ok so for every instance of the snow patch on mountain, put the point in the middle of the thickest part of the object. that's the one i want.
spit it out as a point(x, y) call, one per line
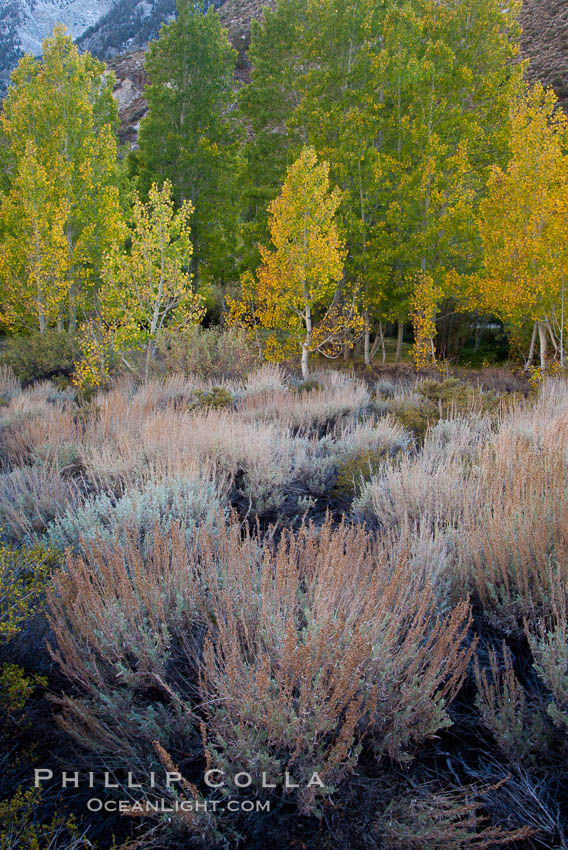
point(38, 17)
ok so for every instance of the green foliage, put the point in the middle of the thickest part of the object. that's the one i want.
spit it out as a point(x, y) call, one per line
point(40, 356)
point(23, 578)
point(435, 400)
point(267, 104)
point(454, 397)
point(17, 688)
point(144, 288)
point(296, 293)
point(505, 709)
point(21, 827)
point(357, 469)
point(385, 104)
point(61, 212)
point(24, 575)
point(187, 136)
point(415, 415)
point(308, 386)
point(214, 398)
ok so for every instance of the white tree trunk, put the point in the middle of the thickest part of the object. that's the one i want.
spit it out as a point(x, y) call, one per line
point(305, 362)
point(533, 345)
point(306, 344)
point(543, 339)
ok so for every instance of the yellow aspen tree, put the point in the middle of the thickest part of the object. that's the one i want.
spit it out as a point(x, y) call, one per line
point(297, 285)
point(34, 241)
point(143, 288)
point(423, 304)
point(523, 222)
point(57, 128)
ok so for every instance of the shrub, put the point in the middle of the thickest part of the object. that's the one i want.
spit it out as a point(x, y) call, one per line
point(449, 820)
point(415, 415)
point(453, 397)
point(214, 398)
point(38, 416)
point(9, 384)
point(435, 400)
point(17, 688)
point(267, 378)
point(23, 577)
point(458, 438)
point(504, 708)
point(308, 386)
point(282, 662)
point(364, 449)
point(386, 388)
point(207, 352)
point(513, 544)
point(38, 356)
point(426, 490)
point(358, 469)
point(30, 499)
point(21, 828)
point(115, 611)
point(321, 408)
point(288, 684)
point(158, 504)
point(66, 457)
point(260, 460)
point(291, 684)
point(548, 641)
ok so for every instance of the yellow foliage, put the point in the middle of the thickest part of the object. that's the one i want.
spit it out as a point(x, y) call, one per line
point(524, 219)
point(144, 289)
point(296, 292)
point(62, 209)
point(423, 315)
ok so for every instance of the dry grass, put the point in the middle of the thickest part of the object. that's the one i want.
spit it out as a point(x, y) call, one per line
point(516, 521)
point(9, 384)
point(449, 820)
point(298, 662)
point(290, 645)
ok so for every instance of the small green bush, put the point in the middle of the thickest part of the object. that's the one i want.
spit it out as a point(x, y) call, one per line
point(453, 397)
point(414, 416)
point(442, 400)
point(215, 398)
point(23, 577)
point(22, 829)
point(358, 469)
point(309, 386)
point(40, 356)
point(66, 458)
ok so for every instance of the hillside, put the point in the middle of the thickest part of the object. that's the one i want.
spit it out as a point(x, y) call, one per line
point(119, 30)
point(544, 43)
point(25, 23)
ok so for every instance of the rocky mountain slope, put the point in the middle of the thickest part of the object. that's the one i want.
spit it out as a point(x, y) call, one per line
point(25, 23)
point(119, 30)
point(129, 24)
point(544, 43)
